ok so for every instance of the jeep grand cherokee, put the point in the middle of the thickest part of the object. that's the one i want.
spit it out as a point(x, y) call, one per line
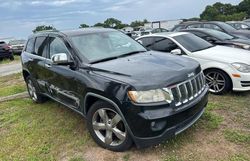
point(126, 93)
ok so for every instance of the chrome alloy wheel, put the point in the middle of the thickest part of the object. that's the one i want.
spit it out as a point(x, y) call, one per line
point(109, 127)
point(215, 81)
point(32, 90)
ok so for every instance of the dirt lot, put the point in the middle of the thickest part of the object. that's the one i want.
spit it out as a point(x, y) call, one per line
point(52, 132)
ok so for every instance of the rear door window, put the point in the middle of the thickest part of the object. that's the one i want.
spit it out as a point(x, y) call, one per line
point(194, 26)
point(147, 42)
point(164, 44)
point(30, 45)
point(41, 46)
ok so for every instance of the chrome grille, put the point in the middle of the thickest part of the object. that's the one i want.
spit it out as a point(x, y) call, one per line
point(188, 90)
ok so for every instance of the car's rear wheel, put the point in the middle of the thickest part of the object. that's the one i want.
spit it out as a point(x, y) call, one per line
point(33, 92)
point(218, 81)
point(107, 127)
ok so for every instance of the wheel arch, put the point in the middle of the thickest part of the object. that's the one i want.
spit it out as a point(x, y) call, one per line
point(93, 97)
point(25, 74)
point(222, 70)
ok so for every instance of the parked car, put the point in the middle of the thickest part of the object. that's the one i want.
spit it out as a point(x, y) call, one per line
point(225, 68)
point(5, 51)
point(17, 46)
point(153, 31)
point(239, 25)
point(127, 94)
point(215, 25)
point(220, 38)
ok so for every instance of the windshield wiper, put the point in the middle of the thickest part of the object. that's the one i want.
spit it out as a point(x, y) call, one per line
point(131, 53)
point(116, 57)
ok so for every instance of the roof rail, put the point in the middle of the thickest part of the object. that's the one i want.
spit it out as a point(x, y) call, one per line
point(53, 30)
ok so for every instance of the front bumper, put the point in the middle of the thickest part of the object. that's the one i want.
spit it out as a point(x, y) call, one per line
point(151, 128)
point(242, 83)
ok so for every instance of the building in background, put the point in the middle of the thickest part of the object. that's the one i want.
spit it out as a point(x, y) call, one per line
point(166, 24)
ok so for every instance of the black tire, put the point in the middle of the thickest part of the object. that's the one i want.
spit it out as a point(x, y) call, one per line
point(33, 91)
point(124, 144)
point(222, 76)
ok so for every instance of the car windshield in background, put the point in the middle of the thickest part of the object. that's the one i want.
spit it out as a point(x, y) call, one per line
point(104, 45)
point(192, 43)
point(227, 27)
point(220, 35)
point(17, 42)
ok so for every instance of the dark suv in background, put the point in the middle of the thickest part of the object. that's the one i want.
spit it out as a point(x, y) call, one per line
point(126, 93)
point(215, 25)
point(5, 51)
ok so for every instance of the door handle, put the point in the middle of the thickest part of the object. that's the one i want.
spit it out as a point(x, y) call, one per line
point(48, 65)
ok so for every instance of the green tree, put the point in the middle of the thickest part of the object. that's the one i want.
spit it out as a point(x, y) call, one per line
point(138, 23)
point(112, 23)
point(99, 25)
point(223, 12)
point(244, 6)
point(42, 28)
point(83, 26)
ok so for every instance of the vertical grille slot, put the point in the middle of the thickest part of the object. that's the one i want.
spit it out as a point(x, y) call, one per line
point(186, 91)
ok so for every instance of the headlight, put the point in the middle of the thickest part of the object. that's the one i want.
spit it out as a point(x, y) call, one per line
point(151, 96)
point(244, 68)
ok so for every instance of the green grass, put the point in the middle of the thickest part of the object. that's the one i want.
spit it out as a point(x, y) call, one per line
point(237, 136)
point(10, 90)
point(31, 131)
point(7, 61)
point(49, 131)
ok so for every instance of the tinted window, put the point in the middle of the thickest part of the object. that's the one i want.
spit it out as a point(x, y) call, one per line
point(40, 46)
point(212, 26)
point(57, 46)
point(178, 28)
point(194, 26)
point(30, 45)
point(199, 34)
point(192, 43)
point(164, 44)
point(147, 42)
point(220, 35)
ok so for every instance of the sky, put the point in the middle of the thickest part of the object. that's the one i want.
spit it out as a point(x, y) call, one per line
point(19, 17)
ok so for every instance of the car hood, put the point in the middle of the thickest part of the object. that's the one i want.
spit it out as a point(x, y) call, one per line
point(149, 70)
point(235, 41)
point(224, 54)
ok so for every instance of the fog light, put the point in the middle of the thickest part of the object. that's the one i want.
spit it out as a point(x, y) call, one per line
point(157, 126)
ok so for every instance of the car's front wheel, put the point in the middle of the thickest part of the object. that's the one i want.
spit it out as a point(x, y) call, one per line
point(33, 92)
point(218, 81)
point(107, 127)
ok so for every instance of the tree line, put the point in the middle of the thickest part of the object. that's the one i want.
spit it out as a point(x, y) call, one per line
point(216, 12)
point(226, 12)
point(108, 23)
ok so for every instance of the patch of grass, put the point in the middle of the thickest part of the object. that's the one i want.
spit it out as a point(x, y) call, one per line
point(7, 60)
point(126, 157)
point(10, 90)
point(238, 157)
point(209, 121)
point(237, 137)
point(76, 159)
point(172, 158)
point(47, 131)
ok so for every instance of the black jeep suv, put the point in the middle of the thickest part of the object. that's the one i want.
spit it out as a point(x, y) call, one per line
point(126, 93)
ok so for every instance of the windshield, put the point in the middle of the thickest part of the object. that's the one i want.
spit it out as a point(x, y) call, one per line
point(227, 27)
point(17, 42)
point(220, 35)
point(105, 45)
point(192, 43)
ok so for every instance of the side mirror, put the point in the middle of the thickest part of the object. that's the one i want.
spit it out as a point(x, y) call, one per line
point(176, 52)
point(139, 41)
point(61, 59)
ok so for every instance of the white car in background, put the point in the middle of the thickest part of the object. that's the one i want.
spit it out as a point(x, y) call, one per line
point(225, 68)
